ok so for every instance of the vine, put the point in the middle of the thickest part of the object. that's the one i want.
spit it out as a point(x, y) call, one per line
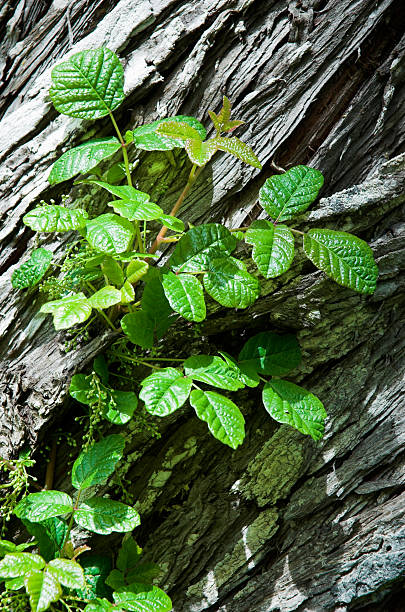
point(112, 273)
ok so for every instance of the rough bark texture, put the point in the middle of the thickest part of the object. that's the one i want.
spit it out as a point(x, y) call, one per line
point(282, 524)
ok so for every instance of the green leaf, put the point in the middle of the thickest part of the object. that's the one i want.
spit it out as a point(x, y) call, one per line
point(38, 507)
point(94, 466)
point(14, 584)
point(110, 233)
point(238, 149)
point(103, 515)
point(135, 270)
point(43, 588)
point(96, 569)
point(50, 535)
point(348, 260)
point(88, 85)
point(105, 297)
point(286, 195)
point(99, 605)
point(165, 391)
point(228, 282)
point(225, 420)
point(288, 403)
point(247, 375)
point(113, 271)
point(155, 304)
point(143, 598)
point(200, 152)
point(213, 371)
point(133, 204)
point(129, 554)
point(270, 353)
point(144, 573)
point(68, 311)
point(127, 293)
point(146, 137)
point(115, 580)
point(172, 223)
point(67, 572)
point(177, 130)
point(16, 564)
point(7, 547)
point(116, 173)
point(100, 367)
point(139, 328)
point(31, 272)
point(185, 295)
point(83, 158)
point(120, 407)
point(81, 389)
point(54, 218)
point(199, 245)
point(273, 247)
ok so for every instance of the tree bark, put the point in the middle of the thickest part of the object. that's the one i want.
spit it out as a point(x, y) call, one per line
point(283, 523)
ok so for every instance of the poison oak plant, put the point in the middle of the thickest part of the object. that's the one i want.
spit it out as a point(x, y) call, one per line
point(111, 271)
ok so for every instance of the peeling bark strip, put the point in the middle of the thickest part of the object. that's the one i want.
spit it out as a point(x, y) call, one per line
point(282, 524)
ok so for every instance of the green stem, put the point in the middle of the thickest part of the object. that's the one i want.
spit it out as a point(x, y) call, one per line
point(240, 229)
point(70, 525)
point(135, 360)
point(161, 359)
point(297, 231)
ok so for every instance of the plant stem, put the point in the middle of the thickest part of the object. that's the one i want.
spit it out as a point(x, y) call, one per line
point(161, 359)
point(136, 361)
point(70, 525)
point(240, 229)
point(50, 468)
point(191, 179)
point(297, 232)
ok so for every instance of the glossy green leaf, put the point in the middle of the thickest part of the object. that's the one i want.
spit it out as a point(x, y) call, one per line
point(286, 195)
point(14, 584)
point(31, 272)
point(224, 419)
point(247, 375)
point(165, 391)
point(273, 247)
point(136, 269)
point(99, 605)
point(105, 297)
point(146, 137)
point(214, 371)
point(113, 271)
point(100, 367)
point(96, 569)
point(155, 304)
point(37, 507)
point(67, 572)
point(238, 149)
point(88, 85)
point(121, 406)
point(185, 295)
point(110, 233)
point(7, 547)
point(43, 588)
point(199, 246)
point(133, 204)
point(348, 260)
point(143, 598)
point(228, 282)
point(83, 158)
point(116, 173)
point(177, 130)
point(103, 515)
point(68, 311)
point(81, 389)
point(94, 465)
point(222, 121)
point(289, 403)
point(50, 535)
point(200, 152)
point(139, 328)
point(127, 293)
point(172, 223)
point(16, 564)
point(270, 353)
point(55, 218)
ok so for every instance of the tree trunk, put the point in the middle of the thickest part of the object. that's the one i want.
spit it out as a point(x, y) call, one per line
point(283, 523)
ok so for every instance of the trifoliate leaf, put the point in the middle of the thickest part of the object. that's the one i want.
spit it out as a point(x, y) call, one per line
point(228, 282)
point(43, 588)
point(136, 269)
point(31, 272)
point(37, 507)
point(200, 152)
point(67, 572)
point(214, 371)
point(225, 420)
point(185, 295)
point(105, 297)
point(199, 245)
point(344, 257)
point(286, 195)
point(55, 218)
point(165, 391)
point(239, 149)
point(289, 403)
point(120, 407)
point(177, 130)
point(88, 85)
point(139, 328)
point(273, 247)
point(83, 158)
point(68, 311)
point(143, 598)
point(94, 465)
point(270, 353)
point(16, 564)
point(110, 233)
point(146, 137)
point(103, 515)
